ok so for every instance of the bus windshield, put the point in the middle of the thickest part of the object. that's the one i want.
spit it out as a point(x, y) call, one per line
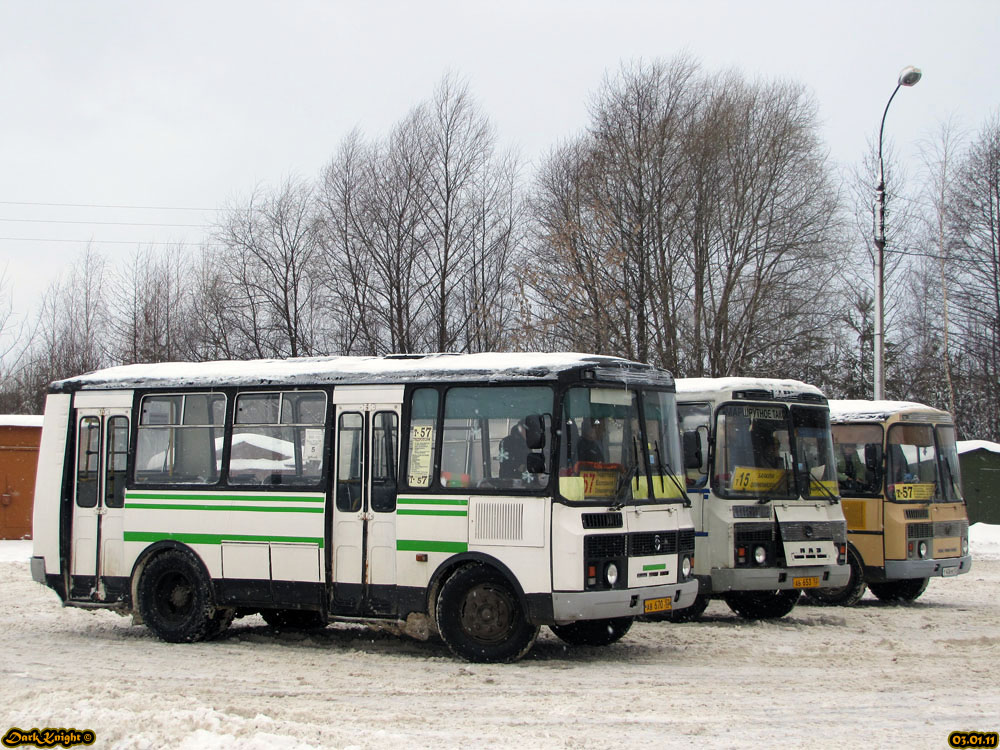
point(912, 464)
point(767, 452)
point(951, 478)
point(608, 453)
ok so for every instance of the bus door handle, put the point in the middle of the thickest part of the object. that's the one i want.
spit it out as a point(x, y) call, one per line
point(366, 515)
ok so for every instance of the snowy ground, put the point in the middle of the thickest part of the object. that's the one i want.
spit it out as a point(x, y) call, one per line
point(867, 676)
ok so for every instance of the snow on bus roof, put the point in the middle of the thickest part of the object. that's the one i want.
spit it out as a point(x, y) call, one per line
point(860, 410)
point(20, 420)
point(352, 370)
point(777, 386)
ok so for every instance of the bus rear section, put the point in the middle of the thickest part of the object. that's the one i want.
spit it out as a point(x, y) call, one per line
point(760, 475)
point(438, 493)
point(899, 475)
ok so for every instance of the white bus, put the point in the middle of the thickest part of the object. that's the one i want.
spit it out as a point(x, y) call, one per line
point(480, 496)
point(762, 480)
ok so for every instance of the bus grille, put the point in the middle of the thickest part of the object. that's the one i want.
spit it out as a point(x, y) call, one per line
point(919, 530)
point(916, 514)
point(685, 541)
point(643, 543)
point(814, 531)
point(751, 511)
point(748, 533)
point(602, 521)
point(604, 546)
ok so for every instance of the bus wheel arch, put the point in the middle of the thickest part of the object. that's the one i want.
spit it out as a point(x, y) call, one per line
point(173, 595)
point(480, 612)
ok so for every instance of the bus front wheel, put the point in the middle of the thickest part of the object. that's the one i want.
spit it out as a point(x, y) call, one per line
point(848, 594)
point(480, 617)
point(175, 600)
point(593, 632)
point(899, 591)
point(763, 605)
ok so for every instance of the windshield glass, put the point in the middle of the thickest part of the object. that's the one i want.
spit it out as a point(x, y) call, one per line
point(950, 472)
point(662, 446)
point(816, 468)
point(912, 465)
point(858, 448)
point(753, 452)
point(600, 447)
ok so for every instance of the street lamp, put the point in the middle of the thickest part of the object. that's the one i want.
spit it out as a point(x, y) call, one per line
point(908, 76)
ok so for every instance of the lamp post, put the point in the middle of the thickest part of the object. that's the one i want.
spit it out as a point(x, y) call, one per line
point(908, 76)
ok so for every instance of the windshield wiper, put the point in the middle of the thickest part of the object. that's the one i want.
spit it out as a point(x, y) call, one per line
point(625, 480)
point(832, 499)
point(670, 473)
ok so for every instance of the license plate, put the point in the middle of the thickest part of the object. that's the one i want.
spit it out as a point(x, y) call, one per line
point(810, 582)
point(952, 571)
point(662, 604)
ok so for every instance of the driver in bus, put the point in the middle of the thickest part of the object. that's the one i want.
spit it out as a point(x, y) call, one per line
point(589, 447)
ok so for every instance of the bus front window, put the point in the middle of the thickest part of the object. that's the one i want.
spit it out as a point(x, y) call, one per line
point(950, 472)
point(600, 447)
point(754, 457)
point(815, 465)
point(913, 464)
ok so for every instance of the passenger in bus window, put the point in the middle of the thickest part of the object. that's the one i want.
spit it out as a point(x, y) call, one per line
point(589, 446)
point(514, 452)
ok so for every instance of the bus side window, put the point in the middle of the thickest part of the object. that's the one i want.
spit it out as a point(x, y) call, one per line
point(384, 450)
point(88, 461)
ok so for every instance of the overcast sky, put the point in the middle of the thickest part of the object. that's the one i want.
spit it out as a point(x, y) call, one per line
point(192, 104)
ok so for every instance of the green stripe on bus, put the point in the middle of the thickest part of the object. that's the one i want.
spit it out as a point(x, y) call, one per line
point(429, 501)
point(404, 512)
point(255, 509)
point(661, 566)
point(159, 536)
point(220, 496)
point(416, 545)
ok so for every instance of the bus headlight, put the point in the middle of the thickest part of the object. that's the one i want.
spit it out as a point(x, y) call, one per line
point(965, 546)
point(685, 566)
point(611, 574)
point(922, 549)
point(759, 555)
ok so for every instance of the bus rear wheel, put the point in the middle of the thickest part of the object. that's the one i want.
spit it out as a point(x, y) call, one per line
point(480, 617)
point(593, 632)
point(899, 591)
point(762, 605)
point(175, 600)
point(846, 595)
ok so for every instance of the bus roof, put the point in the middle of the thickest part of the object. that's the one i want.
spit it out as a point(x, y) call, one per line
point(361, 370)
point(724, 388)
point(842, 411)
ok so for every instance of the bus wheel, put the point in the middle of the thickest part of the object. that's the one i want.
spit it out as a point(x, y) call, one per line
point(846, 595)
point(293, 619)
point(175, 600)
point(899, 591)
point(480, 617)
point(593, 632)
point(762, 605)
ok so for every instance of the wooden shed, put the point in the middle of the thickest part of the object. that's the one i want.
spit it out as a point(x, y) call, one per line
point(19, 439)
point(980, 462)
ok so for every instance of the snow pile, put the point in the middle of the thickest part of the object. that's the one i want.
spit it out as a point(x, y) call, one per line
point(964, 446)
point(15, 550)
point(984, 541)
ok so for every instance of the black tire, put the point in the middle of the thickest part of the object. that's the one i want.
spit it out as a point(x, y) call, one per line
point(846, 595)
point(480, 617)
point(899, 591)
point(593, 632)
point(175, 600)
point(763, 605)
point(293, 619)
point(688, 614)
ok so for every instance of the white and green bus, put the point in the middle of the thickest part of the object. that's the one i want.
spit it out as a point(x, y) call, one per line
point(762, 479)
point(480, 496)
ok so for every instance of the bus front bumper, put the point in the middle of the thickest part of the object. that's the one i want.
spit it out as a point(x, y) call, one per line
point(570, 606)
point(771, 579)
point(948, 566)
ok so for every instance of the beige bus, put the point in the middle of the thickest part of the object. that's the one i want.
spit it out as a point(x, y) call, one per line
point(901, 490)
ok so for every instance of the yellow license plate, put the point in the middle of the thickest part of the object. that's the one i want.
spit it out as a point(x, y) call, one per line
point(810, 582)
point(662, 604)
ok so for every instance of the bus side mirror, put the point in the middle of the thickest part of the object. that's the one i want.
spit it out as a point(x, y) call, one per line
point(535, 463)
point(693, 458)
point(534, 433)
point(873, 460)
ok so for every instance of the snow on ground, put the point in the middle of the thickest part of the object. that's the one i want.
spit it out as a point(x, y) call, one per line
point(873, 675)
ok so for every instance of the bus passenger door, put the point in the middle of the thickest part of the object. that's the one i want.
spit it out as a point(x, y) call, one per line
point(97, 549)
point(364, 509)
